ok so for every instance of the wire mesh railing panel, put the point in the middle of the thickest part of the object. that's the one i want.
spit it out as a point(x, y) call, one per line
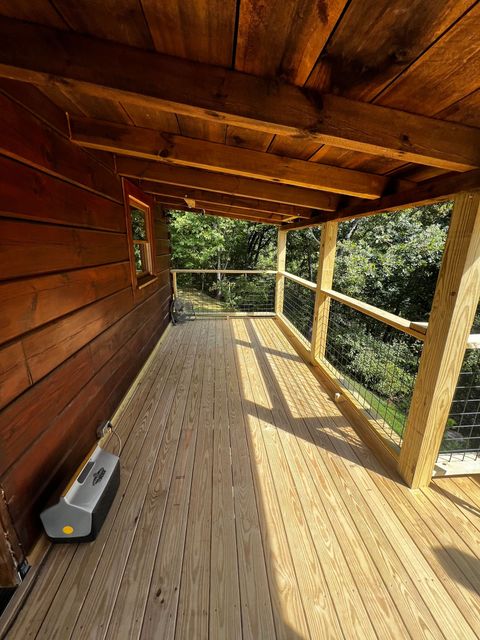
point(223, 294)
point(376, 363)
point(298, 307)
point(461, 440)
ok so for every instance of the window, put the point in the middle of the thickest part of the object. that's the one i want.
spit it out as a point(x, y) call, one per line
point(141, 235)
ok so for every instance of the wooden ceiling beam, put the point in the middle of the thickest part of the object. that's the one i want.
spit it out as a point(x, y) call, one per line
point(434, 190)
point(222, 214)
point(224, 209)
point(45, 56)
point(175, 149)
point(191, 178)
point(209, 197)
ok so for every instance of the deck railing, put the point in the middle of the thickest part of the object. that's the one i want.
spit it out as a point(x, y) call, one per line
point(226, 292)
point(375, 366)
point(461, 442)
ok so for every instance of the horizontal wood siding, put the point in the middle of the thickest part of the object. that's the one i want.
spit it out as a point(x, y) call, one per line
point(72, 333)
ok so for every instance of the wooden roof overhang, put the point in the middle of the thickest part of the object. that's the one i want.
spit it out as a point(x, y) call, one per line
point(294, 117)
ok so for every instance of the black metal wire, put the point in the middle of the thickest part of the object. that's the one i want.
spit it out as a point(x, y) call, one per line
point(462, 431)
point(298, 307)
point(376, 363)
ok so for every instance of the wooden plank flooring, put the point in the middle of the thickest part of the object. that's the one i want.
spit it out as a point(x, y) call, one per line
point(249, 508)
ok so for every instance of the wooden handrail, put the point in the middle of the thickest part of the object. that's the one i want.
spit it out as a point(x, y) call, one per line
point(238, 271)
point(473, 341)
point(298, 280)
point(414, 329)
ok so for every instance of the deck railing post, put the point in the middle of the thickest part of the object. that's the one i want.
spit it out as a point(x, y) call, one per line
point(174, 284)
point(279, 278)
point(453, 311)
point(326, 265)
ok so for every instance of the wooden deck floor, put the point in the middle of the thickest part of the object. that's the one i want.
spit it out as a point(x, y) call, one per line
point(249, 508)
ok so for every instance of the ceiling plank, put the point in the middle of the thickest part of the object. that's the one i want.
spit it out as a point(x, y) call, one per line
point(209, 197)
point(175, 149)
point(435, 190)
point(220, 183)
point(46, 56)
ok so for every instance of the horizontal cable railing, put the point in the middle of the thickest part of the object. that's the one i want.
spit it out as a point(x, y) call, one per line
point(461, 441)
point(221, 292)
point(375, 362)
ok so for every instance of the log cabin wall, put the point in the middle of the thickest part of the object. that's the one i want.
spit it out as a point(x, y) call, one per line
point(72, 333)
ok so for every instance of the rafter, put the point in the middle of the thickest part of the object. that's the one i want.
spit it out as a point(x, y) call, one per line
point(188, 177)
point(170, 202)
point(46, 56)
point(221, 199)
point(167, 147)
point(433, 190)
point(223, 214)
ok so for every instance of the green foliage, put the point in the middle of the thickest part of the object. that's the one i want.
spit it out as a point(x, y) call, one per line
point(212, 242)
point(392, 260)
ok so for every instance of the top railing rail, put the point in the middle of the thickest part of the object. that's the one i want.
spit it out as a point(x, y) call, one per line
point(234, 271)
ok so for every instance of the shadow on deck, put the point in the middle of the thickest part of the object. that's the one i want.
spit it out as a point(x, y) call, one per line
point(249, 507)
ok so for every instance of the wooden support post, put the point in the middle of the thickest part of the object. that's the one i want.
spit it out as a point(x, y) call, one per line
point(326, 265)
point(453, 311)
point(280, 279)
point(174, 284)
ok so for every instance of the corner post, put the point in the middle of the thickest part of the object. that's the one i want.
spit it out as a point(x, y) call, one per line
point(174, 284)
point(326, 265)
point(453, 311)
point(279, 278)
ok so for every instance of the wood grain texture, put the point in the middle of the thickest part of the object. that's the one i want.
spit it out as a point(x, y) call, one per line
point(153, 145)
point(453, 310)
point(222, 183)
point(433, 190)
point(231, 98)
point(27, 249)
point(32, 302)
point(31, 195)
point(213, 23)
point(46, 149)
point(296, 30)
point(321, 311)
point(72, 336)
point(209, 197)
point(361, 524)
point(95, 18)
point(279, 277)
point(365, 55)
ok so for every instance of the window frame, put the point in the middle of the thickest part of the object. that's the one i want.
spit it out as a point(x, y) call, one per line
point(135, 197)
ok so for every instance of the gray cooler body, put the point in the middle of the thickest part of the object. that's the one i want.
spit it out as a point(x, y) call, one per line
point(81, 510)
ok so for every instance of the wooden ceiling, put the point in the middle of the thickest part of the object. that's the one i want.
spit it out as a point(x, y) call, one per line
point(269, 150)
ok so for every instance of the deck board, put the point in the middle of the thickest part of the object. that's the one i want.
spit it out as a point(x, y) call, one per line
point(249, 507)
